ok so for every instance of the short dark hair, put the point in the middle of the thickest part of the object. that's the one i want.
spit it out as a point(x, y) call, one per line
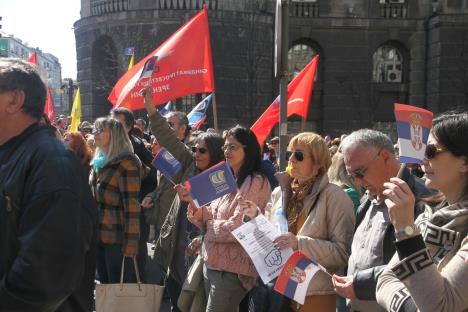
point(128, 115)
point(214, 143)
point(253, 159)
point(16, 74)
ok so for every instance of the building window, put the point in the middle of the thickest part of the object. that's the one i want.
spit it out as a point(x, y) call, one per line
point(298, 57)
point(387, 65)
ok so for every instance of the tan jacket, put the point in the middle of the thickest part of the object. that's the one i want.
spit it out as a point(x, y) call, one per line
point(327, 232)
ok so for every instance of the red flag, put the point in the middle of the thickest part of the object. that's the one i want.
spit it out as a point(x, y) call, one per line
point(33, 58)
point(182, 65)
point(299, 91)
point(49, 109)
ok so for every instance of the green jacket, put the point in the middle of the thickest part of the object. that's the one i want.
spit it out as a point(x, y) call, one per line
point(165, 212)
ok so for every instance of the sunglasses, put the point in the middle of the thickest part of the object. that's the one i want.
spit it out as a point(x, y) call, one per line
point(432, 150)
point(201, 150)
point(298, 155)
point(361, 173)
point(232, 147)
point(97, 131)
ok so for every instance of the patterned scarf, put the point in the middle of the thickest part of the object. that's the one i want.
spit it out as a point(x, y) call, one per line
point(296, 202)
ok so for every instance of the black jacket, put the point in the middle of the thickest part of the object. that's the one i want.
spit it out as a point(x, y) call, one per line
point(48, 226)
point(365, 281)
point(150, 181)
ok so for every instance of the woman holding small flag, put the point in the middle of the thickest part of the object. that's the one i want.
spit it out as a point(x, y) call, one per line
point(228, 271)
point(175, 231)
point(320, 216)
point(429, 270)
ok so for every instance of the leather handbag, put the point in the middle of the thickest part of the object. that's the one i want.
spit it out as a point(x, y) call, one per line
point(124, 297)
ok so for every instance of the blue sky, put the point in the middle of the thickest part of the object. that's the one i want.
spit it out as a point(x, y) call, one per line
point(46, 24)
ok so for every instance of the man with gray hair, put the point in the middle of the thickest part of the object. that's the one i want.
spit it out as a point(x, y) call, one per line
point(370, 160)
point(48, 217)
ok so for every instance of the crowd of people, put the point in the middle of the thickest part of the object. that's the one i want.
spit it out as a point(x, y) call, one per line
point(77, 205)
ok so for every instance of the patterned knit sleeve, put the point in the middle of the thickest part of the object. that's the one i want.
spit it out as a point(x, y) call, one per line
point(129, 185)
point(417, 278)
point(257, 190)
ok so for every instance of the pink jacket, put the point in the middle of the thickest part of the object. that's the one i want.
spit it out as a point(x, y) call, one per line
point(221, 250)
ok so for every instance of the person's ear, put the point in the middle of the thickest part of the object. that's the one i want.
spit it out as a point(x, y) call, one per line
point(16, 101)
point(464, 167)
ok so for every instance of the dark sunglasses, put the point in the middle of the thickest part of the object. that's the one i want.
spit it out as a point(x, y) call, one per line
point(201, 150)
point(432, 150)
point(97, 131)
point(298, 155)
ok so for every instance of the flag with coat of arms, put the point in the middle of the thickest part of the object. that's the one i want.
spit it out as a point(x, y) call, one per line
point(413, 127)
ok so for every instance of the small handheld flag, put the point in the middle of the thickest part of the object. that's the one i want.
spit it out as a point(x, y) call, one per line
point(211, 184)
point(413, 127)
point(167, 164)
point(198, 114)
point(295, 276)
point(166, 109)
point(129, 51)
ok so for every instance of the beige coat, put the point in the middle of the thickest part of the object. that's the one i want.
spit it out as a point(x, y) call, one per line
point(327, 232)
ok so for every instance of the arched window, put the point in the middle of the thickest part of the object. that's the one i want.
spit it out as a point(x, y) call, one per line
point(298, 57)
point(387, 65)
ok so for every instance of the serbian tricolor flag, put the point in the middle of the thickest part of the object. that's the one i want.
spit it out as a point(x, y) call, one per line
point(198, 114)
point(413, 126)
point(299, 91)
point(295, 276)
point(182, 65)
point(49, 109)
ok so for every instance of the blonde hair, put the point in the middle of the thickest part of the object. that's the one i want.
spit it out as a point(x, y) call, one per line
point(119, 144)
point(316, 147)
point(337, 173)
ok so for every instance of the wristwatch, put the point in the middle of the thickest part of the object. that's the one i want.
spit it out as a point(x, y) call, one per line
point(406, 232)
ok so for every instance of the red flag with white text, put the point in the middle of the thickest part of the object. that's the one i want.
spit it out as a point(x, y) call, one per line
point(182, 65)
point(299, 92)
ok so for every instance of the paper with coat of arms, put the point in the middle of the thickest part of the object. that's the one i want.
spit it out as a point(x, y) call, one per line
point(256, 237)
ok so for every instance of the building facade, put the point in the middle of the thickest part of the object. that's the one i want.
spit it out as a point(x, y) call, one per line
point(373, 53)
point(49, 65)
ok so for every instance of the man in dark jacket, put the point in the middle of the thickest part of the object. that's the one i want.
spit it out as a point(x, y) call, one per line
point(48, 219)
point(370, 158)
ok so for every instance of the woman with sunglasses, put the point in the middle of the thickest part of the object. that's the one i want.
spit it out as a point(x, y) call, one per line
point(115, 182)
point(320, 216)
point(430, 268)
point(166, 209)
point(228, 271)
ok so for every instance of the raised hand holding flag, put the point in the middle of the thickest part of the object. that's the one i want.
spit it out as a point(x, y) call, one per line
point(167, 164)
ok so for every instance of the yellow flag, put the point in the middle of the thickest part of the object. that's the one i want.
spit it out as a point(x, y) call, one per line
point(132, 60)
point(76, 112)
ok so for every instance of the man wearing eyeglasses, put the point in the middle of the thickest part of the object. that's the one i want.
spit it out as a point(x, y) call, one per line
point(369, 158)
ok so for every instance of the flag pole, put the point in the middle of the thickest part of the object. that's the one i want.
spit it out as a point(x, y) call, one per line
point(283, 75)
point(215, 112)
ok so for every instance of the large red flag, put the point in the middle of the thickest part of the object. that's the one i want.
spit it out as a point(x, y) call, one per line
point(182, 65)
point(299, 91)
point(49, 109)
